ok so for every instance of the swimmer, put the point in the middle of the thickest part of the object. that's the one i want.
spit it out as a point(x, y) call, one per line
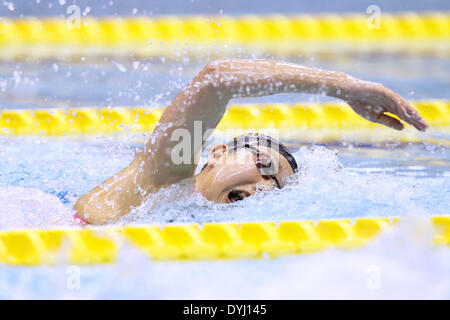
point(247, 164)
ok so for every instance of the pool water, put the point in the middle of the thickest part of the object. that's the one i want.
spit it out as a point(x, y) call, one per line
point(41, 178)
point(156, 81)
point(401, 264)
point(341, 180)
point(333, 182)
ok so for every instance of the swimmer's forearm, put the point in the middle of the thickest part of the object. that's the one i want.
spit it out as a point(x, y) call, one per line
point(372, 101)
point(235, 78)
point(116, 196)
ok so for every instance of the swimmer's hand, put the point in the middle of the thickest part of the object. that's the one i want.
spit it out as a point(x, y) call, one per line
point(372, 100)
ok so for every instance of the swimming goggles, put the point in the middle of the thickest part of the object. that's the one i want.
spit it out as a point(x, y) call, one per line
point(249, 141)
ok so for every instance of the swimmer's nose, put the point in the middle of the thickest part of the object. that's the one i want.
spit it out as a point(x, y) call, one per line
point(265, 184)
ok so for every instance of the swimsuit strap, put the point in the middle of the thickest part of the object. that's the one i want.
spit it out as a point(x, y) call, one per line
point(79, 221)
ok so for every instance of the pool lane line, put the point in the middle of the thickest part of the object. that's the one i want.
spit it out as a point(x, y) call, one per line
point(313, 122)
point(181, 36)
point(209, 241)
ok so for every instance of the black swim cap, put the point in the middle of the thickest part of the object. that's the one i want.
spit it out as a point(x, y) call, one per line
point(257, 139)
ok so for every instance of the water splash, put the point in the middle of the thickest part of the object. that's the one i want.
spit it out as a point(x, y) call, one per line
point(31, 208)
point(355, 182)
point(321, 189)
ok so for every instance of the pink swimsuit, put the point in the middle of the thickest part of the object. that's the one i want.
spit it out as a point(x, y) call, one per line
point(80, 221)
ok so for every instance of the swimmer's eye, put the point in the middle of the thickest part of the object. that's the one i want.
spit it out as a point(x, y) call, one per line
point(237, 195)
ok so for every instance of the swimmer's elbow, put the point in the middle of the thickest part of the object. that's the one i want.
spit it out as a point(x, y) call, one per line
point(211, 73)
point(214, 79)
point(214, 67)
point(208, 76)
point(80, 209)
point(88, 213)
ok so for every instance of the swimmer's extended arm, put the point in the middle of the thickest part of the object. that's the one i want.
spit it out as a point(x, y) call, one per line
point(198, 108)
point(205, 99)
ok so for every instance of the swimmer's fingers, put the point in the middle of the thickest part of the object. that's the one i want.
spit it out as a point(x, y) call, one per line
point(405, 111)
point(389, 121)
point(399, 106)
point(375, 114)
point(372, 100)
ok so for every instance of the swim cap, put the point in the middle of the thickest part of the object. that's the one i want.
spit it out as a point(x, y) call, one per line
point(253, 140)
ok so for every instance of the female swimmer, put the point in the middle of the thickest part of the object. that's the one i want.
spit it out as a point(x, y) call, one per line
point(248, 163)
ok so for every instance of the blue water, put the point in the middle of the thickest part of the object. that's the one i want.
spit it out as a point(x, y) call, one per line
point(40, 178)
point(155, 82)
point(333, 182)
point(399, 265)
point(410, 181)
point(361, 180)
point(213, 7)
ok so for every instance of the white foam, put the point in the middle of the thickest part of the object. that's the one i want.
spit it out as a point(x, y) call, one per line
point(29, 208)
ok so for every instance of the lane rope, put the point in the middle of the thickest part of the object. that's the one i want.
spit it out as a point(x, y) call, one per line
point(210, 241)
point(180, 36)
point(309, 121)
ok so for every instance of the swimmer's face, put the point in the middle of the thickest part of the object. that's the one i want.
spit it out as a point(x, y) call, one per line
point(234, 175)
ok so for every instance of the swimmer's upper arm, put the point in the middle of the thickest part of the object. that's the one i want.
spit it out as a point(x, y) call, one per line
point(157, 165)
point(197, 109)
point(174, 147)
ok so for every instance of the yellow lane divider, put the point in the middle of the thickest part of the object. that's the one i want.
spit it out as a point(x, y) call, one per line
point(167, 35)
point(311, 121)
point(197, 242)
